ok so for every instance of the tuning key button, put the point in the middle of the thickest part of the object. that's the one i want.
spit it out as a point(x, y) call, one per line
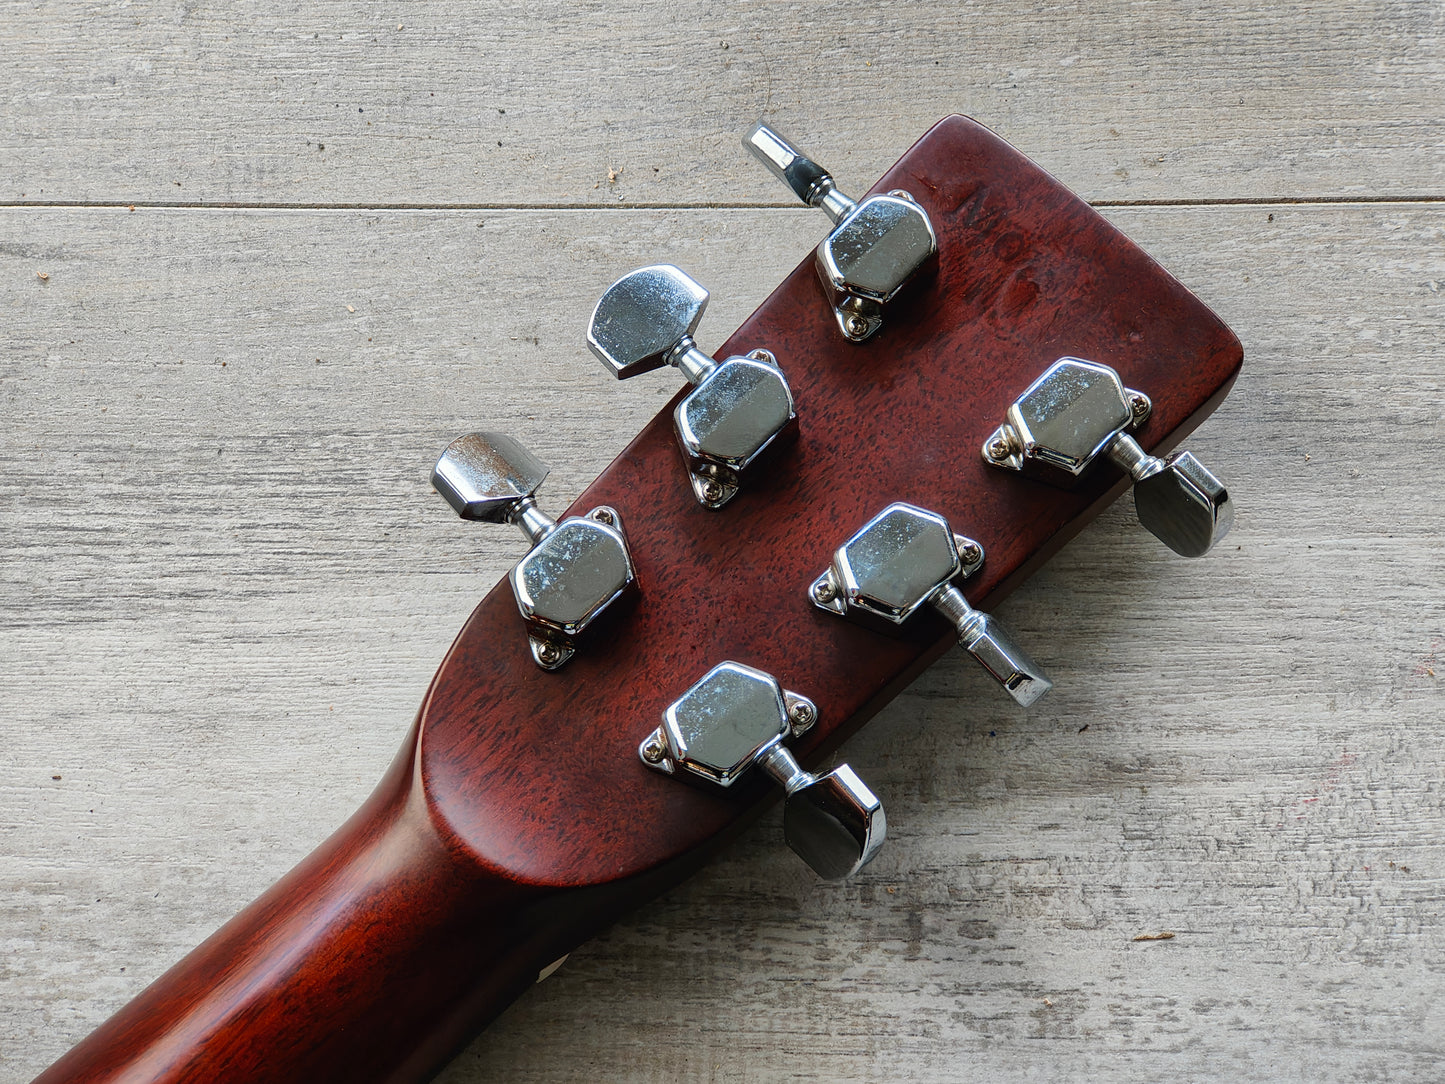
point(906, 558)
point(737, 718)
point(575, 569)
point(740, 409)
point(875, 247)
point(1078, 411)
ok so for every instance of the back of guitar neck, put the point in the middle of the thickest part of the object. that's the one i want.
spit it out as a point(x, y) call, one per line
point(518, 819)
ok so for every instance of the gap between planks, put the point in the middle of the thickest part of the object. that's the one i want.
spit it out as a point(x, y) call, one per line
point(165, 205)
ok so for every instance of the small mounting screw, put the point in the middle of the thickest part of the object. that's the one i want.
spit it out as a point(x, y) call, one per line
point(801, 715)
point(602, 515)
point(765, 356)
point(712, 490)
point(548, 653)
point(824, 591)
point(652, 750)
point(999, 448)
point(971, 553)
point(1140, 405)
point(857, 326)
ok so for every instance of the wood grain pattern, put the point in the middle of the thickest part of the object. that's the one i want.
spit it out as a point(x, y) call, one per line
point(1262, 737)
point(1027, 272)
point(537, 103)
point(381, 913)
point(1022, 861)
point(518, 783)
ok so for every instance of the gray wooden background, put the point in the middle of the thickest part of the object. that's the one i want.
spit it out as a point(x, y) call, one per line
point(259, 262)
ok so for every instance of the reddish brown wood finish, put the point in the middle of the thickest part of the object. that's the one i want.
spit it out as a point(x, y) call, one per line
point(374, 959)
point(518, 820)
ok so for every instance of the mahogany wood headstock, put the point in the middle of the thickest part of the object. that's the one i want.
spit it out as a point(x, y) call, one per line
point(518, 819)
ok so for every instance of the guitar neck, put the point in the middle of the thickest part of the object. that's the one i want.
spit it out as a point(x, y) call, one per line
point(375, 959)
point(518, 820)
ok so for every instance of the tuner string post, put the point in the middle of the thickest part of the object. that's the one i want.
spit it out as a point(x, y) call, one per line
point(690, 361)
point(783, 768)
point(1133, 460)
point(534, 522)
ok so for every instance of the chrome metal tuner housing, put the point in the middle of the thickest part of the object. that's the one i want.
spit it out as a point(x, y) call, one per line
point(1079, 411)
point(906, 558)
point(740, 409)
point(736, 718)
point(875, 248)
point(575, 569)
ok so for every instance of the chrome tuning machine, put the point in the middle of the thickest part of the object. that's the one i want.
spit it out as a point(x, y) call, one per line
point(740, 409)
point(575, 569)
point(875, 247)
point(905, 558)
point(737, 718)
point(1078, 411)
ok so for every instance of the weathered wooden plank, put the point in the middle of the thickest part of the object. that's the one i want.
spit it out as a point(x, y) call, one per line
point(193, 506)
point(601, 104)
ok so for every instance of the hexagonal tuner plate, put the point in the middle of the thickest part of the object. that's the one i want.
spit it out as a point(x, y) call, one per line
point(880, 246)
point(729, 424)
point(1065, 420)
point(872, 254)
point(642, 317)
point(574, 572)
point(894, 565)
point(723, 724)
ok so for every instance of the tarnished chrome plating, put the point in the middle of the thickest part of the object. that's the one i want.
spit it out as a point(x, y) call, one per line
point(875, 247)
point(1079, 411)
point(736, 718)
point(740, 409)
point(575, 568)
point(907, 557)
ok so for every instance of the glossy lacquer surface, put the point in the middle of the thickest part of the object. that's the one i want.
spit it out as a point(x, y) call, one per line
point(518, 819)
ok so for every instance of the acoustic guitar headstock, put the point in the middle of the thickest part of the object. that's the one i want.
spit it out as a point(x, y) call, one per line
point(969, 369)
